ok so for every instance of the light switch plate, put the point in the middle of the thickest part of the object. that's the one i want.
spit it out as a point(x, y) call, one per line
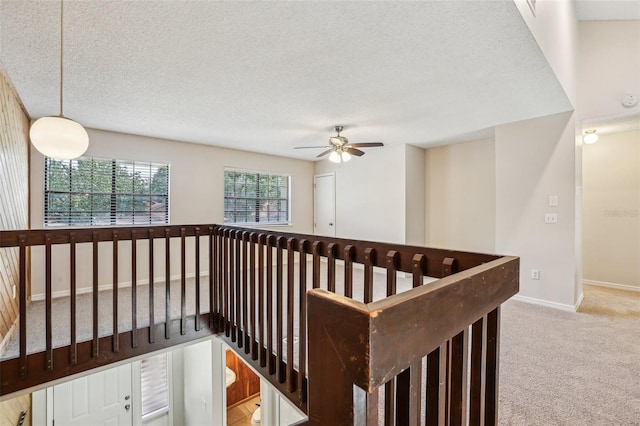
point(551, 218)
point(553, 200)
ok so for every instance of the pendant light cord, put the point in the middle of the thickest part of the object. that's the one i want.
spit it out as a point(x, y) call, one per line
point(61, 55)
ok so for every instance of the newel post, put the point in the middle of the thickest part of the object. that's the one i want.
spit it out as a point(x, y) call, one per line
point(338, 347)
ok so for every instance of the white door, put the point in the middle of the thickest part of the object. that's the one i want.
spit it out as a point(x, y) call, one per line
point(102, 398)
point(324, 204)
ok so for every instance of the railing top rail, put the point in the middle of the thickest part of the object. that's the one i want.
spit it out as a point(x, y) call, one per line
point(308, 243)
point(357, 248)
point(435, 312)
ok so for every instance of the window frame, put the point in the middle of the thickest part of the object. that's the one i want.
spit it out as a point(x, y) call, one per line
point(110, 216)
point(287, 222)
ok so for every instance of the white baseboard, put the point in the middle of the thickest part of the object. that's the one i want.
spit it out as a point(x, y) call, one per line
point(85, 290)
point(579, 302)
point(548, 304)
point(612, 285)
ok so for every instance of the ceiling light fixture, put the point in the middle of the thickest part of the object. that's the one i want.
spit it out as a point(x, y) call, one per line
point(339, 155)
point(590, 136)
point(59, 137)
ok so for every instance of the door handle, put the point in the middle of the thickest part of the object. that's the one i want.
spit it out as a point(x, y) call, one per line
point(330, 223)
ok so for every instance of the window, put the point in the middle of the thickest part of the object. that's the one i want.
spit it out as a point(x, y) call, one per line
point(256, 197)
point(97, 192)
point(154, 385)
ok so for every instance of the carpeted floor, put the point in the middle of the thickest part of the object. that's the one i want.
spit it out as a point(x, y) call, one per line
point(563, 368)
point(610, 301)
point(556, 367)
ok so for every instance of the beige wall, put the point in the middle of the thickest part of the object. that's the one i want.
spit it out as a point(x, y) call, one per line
point(460, 196)
point(370, 195)
point(612, 210)
point(535, 159)
point(196, 196)
point(414, 196)
point(609, 67)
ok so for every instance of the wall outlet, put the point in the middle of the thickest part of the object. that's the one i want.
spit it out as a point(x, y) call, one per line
point(551, 218)
point(535, 274)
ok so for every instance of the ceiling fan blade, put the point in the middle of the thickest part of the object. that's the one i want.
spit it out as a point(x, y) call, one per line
point(305, 147)
point(354, 151)
point(324, 153)
point(365, 144)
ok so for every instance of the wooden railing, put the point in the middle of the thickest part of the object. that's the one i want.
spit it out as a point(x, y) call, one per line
point(273, 297)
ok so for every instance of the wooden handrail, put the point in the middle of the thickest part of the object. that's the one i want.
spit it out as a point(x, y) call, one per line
point(339, 353)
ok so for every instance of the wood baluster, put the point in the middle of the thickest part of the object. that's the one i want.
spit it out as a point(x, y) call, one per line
point(167, 284)
point(152, 320)
point(390, 387)
point(476, 400)
point(252, 295)
point(197, 282)
point(48, 296)
point(115, 340)
point(183, 282)
point(213, 284)
point(291, 242)
point(348, 270)
point(73, 349)
point(95, 345)
point(491, 366)
point(434, 415)
point(262, 241)
point(245, 293)
point(238, 287)
point(456, 365)
point(226, 241)
point(302, 332)
point(22, 239)
point(221, 293)
point(409, 381)
point(369, 260)
point(280, 371)
point(449, 266)
point(233, 284)
point(271, 361)
point(393, 258)
point(316, 249)
point(331, 267)
point(458, 378)
point(134, 289)
point(373, 396)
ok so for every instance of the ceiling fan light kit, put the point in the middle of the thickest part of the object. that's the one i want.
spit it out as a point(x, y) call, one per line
point(59, 137)
point(339, 148)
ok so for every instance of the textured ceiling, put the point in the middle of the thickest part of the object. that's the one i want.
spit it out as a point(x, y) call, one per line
point(606, 10)
point(269, 76)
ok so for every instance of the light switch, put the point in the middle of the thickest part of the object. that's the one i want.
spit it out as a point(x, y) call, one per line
point(553, 200)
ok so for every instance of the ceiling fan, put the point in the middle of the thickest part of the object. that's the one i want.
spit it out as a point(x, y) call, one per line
point(340, 148)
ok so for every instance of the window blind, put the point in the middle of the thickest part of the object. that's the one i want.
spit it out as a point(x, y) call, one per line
point(256, 197)
point(155, 384)
point(103, 192)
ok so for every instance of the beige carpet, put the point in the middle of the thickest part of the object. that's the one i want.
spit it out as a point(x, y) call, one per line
point(610, 301)
point(565, 368)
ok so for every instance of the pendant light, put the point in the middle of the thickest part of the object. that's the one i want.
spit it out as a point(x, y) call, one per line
point(59, 137)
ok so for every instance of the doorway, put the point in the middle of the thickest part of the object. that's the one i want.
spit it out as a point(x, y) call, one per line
point(98, 398)
point(611, 217)
point(324, 204)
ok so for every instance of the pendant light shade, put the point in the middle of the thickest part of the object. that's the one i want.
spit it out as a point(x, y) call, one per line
point(334, 157)
point(59, 137)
